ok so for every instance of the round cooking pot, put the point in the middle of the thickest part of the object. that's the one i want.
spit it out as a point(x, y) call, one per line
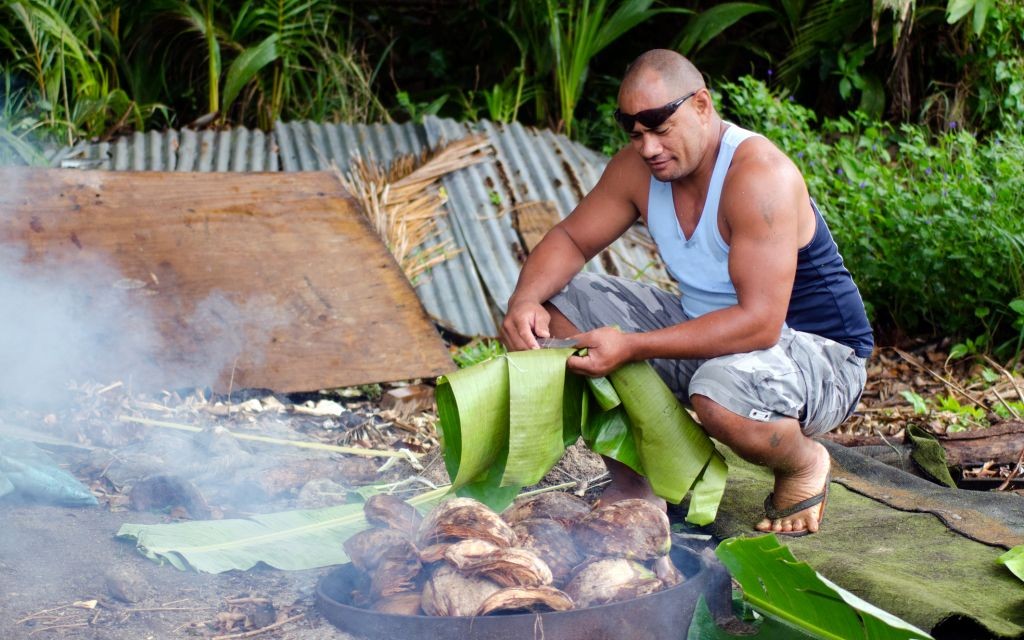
point(665, 614)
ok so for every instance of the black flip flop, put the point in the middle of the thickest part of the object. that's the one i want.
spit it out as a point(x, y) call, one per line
point(773, 513)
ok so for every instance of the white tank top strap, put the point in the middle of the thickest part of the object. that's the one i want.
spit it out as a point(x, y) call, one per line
point(699, 264)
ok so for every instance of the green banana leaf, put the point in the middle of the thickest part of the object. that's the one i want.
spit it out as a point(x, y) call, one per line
point(779, 586)
point(291, 540)
point(500, 428)
point(1014, 560)
point(703, 627)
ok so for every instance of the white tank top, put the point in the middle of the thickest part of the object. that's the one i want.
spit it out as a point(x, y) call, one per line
point(701, 264)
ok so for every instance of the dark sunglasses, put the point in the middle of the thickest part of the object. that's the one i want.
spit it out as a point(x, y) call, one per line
point(651, 118)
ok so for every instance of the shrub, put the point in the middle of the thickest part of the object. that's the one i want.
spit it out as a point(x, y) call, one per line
point(931, 226)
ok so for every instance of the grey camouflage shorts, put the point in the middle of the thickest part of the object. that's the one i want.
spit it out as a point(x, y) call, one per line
point(804, 376)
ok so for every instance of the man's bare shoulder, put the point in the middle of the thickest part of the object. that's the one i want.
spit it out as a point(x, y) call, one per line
point(626, 175)
point(760, 170)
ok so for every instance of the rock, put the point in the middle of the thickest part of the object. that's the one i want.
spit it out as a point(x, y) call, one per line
point(125, 584)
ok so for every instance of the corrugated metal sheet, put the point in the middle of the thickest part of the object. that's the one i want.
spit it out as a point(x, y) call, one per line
point(237, 150)
point(466, 293)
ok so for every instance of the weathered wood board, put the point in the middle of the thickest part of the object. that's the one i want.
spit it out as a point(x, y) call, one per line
point(533, 220)
point(269, 280)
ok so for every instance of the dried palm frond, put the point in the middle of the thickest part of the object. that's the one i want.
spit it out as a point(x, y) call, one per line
point(403, 202)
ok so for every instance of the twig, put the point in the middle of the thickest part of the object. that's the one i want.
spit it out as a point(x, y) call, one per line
point(557, 487)
point(949, 383)
point(256, 632)
point(356, 451)
point(249, 600)
point(110, 387)
point(1009, 376)
point(39, 613)
point(1013, 412)
point(1013, 472)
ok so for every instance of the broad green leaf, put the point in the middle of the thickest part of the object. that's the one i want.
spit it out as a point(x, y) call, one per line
point(777, 585)
point(245, 67)
point(480, 394)
point(709, 24)
point(290, 540)
point(604, 393)
point(575, 408)
point(957, 9)
point(672, 448)
point(536, 386)
point(703, 627)
point(1014, 560)
point(493, 448)
point(981, 9)
point(609, 434)
point(707, 492)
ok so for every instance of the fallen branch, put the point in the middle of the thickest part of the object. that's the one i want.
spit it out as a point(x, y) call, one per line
point(256, 632)
point(356, 451)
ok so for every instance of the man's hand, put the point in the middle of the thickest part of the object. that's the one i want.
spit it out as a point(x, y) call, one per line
point(607, 350)
point(523, 324)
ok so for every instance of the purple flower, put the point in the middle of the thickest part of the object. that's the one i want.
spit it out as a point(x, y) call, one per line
point(863, 184)
point(770, 73)
point(800, 154)
point(927, 171)
point(952, 124)
point(839, 171)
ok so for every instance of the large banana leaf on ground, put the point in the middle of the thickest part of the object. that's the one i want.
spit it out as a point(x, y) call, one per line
point(792, 593)
point(506, 422)
point(296, 540)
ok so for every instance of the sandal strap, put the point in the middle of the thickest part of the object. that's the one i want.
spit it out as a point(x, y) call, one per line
point(774, 513)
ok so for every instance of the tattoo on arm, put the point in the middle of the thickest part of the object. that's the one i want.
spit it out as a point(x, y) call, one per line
point(775, 441)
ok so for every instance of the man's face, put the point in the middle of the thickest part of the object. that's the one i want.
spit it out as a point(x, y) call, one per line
point(670, 148)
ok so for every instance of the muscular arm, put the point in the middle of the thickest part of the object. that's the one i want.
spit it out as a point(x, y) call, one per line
point(601, 217)
point(761, 203)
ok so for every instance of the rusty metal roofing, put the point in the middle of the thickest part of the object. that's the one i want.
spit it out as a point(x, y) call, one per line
point(467, 293)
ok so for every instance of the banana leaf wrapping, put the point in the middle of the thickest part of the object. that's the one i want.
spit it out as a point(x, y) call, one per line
point(506, 422)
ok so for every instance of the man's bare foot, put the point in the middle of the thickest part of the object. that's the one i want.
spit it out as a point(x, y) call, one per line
point(793, 488)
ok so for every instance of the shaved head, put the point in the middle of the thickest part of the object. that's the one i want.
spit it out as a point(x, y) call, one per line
point(676, 73)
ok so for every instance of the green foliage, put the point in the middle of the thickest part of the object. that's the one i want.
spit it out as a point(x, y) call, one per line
point(478, 351)
point(929, 225)
point(416, 110)
point(579, 31)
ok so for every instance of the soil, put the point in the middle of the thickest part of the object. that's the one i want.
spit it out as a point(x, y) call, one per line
point(54, 557)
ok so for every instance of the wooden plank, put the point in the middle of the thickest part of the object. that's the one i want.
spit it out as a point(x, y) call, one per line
point(533, 219)
point(229, 280)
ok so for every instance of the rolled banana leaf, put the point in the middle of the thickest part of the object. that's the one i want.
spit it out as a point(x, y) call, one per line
point(506, 422)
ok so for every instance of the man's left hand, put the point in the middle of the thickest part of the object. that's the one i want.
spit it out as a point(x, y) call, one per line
point(607, 350)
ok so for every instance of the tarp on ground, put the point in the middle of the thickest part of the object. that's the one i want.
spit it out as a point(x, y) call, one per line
point(902, 558)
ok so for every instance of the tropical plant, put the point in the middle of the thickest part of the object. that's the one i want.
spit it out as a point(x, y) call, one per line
point(579, 31)
point(66, 51)
point(929, 224)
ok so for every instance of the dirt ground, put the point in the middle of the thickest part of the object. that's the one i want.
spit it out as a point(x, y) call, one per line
point(63, 574)
point(52, 558)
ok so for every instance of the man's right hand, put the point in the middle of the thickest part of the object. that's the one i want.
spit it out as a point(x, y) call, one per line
point(523, 324)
